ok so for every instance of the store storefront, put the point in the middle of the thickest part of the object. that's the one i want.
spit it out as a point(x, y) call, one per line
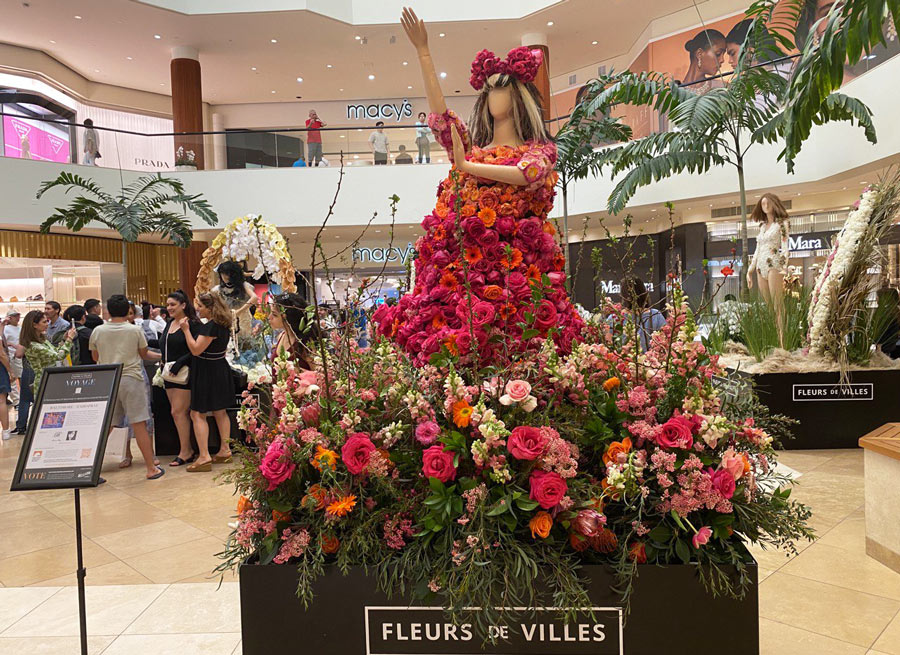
point(70, 269)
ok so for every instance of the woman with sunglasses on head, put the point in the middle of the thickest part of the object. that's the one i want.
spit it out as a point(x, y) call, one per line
point(299, 326)
point(176, 359)
point(211, 381)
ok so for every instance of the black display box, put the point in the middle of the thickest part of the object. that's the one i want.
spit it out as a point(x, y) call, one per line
point(831, 415)
point(671, 613)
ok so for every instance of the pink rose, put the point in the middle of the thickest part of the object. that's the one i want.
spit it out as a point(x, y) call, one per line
point(356, 452)
point(438, 464)
point(588, 522)
point(310, 415)
point(547, 488)
point(307, 382)
point(526, 443)
point(427, 432)
point(733, 463)
point(702, 536)
point(545, 316)
point(676, 433)
point(517, 391)
point(277, 466)
point(723, 482)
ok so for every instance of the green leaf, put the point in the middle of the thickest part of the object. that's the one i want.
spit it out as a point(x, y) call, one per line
point(526, 504)
point(661, 534)
point(498, 509)
point(436, 486)
point(683, 551)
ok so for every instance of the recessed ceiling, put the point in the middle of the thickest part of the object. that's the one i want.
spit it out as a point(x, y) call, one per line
point(246, 56)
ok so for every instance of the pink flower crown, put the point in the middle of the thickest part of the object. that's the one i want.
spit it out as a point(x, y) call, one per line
point(522, 63)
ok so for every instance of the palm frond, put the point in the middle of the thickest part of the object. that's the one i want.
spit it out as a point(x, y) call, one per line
point(148, 184)
point(171, 225)
point(72, 181)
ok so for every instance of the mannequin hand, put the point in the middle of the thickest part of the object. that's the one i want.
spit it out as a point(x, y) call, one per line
point(415, 29)
point(459, 151)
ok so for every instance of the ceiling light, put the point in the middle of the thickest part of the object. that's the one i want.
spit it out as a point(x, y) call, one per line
point(273, 40)
point(340, 89)
point(442, 35)
point(273, 92)
point(162, 83)
point(77, 17)
point(406, 63)
point(343, 136)
point(97, 70)
point(253, 68)
point(52, 41)
point(593, 43)
point(443, 75)
point(157, 36)
point(377, 231)
point(357, 37)
point(355, 156)
point(549, 23)
point(409, 87)
point(328, 66)
point(299, 79)
point(371, 77)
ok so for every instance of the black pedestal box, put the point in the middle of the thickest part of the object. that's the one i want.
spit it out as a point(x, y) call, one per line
point(831, 416)
point(671, 613)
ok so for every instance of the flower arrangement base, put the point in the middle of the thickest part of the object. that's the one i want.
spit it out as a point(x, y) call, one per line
point(831, 416)
point(349, 616)
point(185, 167)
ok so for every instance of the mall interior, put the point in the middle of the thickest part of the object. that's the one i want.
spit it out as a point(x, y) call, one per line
point(314, 120)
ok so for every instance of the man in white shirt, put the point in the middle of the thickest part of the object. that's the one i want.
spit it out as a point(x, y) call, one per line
point(380, 145)
point(11, 330)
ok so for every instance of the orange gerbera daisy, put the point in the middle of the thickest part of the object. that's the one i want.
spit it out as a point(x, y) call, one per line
point(611, 383)
point(438, 321)
point(448, 281)
point(559, 262)
point(488, 216)
point(450, 344)
point(533, 273)
point(473, 254)
point(341, 507)
point(280, 517)
point(512, 260)
point(462, 413)
point(244, 504)
point(439, 233)
point(325, 457)
point(507, 310)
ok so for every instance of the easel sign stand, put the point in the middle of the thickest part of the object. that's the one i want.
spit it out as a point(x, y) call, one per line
point(66, 440)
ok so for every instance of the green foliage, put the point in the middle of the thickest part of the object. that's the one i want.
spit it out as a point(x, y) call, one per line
point(758, 321)
point(142, 207)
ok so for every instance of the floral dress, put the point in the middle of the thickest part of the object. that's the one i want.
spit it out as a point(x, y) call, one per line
point(488, 267)
point(771, 249)
point(43, 354)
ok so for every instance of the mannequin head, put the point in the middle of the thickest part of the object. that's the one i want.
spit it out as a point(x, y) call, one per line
point(231, 277)
point(769, 205)
point(503, 97)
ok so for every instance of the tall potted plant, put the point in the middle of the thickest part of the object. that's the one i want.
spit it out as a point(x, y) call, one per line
point(152, 204)
point(757, 105)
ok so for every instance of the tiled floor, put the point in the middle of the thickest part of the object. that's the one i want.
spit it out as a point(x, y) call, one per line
point(831, 599)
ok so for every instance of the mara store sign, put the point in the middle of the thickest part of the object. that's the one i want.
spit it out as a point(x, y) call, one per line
point(364, 255)
point(427, 631)
point(384, 111)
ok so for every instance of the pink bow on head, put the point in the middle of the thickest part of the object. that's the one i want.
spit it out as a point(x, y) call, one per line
point(522, 63)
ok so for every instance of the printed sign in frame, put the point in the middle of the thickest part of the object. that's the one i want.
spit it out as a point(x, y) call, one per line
point(67, 433)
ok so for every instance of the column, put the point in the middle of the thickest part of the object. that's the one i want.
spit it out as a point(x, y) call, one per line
point(189, 265)
point(220, 155)
point(538, 41)
point(187, 100)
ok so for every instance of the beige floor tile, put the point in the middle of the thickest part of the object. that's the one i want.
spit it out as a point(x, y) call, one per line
point(780, 639)
point(192, 608)
point(238, 650)
point(849, 535)
point(147, 538)
point(179, 562)
point(825, 609)
point(16, 602)
point(116, 516)
point(764, 573)
point(32, 528)
point(835, 566)
point(161, 644)
point(109, 611)
point(889, 641)
point(114, 573)
point(226, 576)
point(50, 563)
point(11, 501)
point(52, 645)
point(805, 460)
point(213, 521)
point(771, 558)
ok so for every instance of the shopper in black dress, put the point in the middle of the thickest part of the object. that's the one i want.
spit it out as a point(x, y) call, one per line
point(174, 348)
point(212, 387)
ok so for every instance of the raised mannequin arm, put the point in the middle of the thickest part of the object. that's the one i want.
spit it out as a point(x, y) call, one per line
point(418, 36)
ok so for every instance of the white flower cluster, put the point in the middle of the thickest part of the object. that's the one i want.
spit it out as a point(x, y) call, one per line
point(843, 253)
point(249, 238)
point(257, 374)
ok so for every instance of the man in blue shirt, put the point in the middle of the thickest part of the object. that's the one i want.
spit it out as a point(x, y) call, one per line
point(299, 163)
point(57, 323)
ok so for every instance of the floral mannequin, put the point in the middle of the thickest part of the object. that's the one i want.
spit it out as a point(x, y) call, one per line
point(769, 263)
point(237, 294)
point(488, 242)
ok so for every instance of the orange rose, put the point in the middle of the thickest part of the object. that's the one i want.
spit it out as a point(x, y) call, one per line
point(280, 517)
point(637, 552)
point(244, 504)
point(329, 543)
point(441, 210)
point(540, 525)
point(467, 210)
point(506, 209)
point(492, 292)
point(611, 383)
point(615, 449)
point(549, 229)
point(317, 495)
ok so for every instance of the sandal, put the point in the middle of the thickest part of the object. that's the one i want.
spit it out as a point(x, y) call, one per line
point(161, 473)
point(205, 467)
point(125, 463)
point(222, 459)
point(180, 462)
